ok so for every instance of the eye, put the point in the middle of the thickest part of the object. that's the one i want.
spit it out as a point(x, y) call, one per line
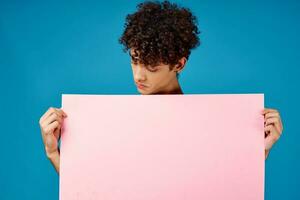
point(152, 68)
point(134, 60)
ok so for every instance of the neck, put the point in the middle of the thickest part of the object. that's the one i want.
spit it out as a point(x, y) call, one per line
point(173, 88)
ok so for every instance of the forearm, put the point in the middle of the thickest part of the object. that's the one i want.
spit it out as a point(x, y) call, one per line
point(54, 157)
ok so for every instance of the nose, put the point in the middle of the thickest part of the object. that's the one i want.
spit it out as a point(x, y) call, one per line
point(140, 74)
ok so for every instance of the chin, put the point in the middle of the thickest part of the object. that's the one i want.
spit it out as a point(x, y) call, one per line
point(144, 92)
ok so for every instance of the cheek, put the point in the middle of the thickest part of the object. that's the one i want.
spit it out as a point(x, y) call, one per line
point(134, 69)
point(160, 79)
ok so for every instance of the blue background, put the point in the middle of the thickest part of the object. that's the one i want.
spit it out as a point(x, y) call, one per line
point(47, 49)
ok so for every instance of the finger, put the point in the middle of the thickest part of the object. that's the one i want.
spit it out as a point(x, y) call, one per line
point(268, 110)
point(47, 113)
point(271, 138)
point(54, 113)
point(53, 117)
point(269, 128)
point(62, 112)
point(272, 114)
point(49, 129)
point(272, 120)
point(272, 132)
point(276, 122)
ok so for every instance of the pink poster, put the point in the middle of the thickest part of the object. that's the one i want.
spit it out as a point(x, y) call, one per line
point(162, 147)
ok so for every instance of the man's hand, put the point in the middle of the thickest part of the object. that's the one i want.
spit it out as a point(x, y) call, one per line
point(273, 128)
point(50, 124)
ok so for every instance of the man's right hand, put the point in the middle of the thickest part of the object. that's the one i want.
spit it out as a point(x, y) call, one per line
point(50, 124)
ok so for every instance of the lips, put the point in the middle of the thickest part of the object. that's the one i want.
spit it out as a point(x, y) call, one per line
point(139, 85)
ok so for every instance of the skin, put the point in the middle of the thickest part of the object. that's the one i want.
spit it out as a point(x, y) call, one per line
point(157, 80)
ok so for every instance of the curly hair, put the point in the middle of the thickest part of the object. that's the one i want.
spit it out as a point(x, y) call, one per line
point(160, 32)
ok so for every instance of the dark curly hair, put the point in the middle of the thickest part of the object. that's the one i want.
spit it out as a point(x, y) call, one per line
point(161, 32)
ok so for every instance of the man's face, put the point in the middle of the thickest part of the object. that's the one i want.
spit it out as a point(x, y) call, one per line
point(151, 80)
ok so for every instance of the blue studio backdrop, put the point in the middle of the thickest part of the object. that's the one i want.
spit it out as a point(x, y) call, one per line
point(52, 47)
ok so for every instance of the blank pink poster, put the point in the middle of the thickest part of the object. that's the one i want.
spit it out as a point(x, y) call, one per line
point(162, 147)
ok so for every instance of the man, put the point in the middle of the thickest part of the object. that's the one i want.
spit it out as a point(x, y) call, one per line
point(159, 37)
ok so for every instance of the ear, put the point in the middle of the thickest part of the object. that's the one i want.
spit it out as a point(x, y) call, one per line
point(181, 64)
